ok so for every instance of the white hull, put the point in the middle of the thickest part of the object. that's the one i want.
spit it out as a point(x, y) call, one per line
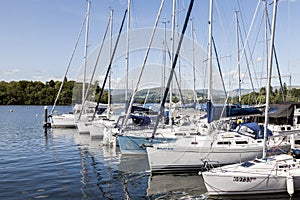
point(279, 174)
point(63, 121)
point(96, 130)
point(189, 153)
point(83, 127)
point(261, 185)
point(180, 159)
point(99, 126)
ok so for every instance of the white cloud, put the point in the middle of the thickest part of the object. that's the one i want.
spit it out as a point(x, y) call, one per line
point(11, 72)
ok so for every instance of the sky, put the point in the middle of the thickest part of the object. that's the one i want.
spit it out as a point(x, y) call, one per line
point(37, 37)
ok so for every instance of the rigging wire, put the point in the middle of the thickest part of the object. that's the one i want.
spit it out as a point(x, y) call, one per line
point(143, 65)
point(69, 64)
point(95, 67)
point(109, 66)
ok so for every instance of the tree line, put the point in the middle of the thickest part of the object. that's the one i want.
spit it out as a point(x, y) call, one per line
point(277, 96)
point(38, 93)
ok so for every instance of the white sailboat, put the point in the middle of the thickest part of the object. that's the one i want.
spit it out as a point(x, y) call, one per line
point(102, 126)
point(68, 120)
point(275, 174)
point(279, 173)
point(193, 152)
point(218, 147)
point(134, 141)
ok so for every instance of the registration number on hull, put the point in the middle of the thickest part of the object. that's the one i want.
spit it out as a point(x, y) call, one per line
point(243, 179)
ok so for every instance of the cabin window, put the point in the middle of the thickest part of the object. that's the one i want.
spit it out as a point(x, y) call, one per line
point(247, 164)
point(195, 134)
point(180, 134)
point(224, 143)
point(241, 142)
point(283, 166)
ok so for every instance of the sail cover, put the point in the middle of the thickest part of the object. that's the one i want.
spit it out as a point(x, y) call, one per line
point(218, 112)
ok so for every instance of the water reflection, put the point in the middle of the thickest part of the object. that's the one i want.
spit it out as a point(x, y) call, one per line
point(106, 174)
point(134, 164)
point(177, 185)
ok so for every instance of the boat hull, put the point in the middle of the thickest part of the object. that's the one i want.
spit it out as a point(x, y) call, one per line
point(63, 121)
point(193, 159)
point(264, 178)
point(168, 157)
point(246, 184)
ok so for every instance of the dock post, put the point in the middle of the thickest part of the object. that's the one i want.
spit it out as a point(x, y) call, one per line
point(46, 123)
point(45, 116)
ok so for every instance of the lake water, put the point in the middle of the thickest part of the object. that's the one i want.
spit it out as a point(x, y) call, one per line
point(61, 164)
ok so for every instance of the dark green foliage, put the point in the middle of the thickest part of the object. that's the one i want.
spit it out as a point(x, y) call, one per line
point(36, 93)
point(275, 96)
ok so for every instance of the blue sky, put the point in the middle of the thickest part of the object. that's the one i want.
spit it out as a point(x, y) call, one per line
point(37, 36)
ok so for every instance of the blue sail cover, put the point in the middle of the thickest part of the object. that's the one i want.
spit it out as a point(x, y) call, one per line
point(214, 112)
point(140, 120)
point(258, 130)
point(239, 111)
point(218, 112)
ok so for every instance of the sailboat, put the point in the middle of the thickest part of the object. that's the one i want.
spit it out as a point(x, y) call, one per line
point(98, 122)
point(135, 141)
point(68, 120)
point(217, 147)
point(274, 174)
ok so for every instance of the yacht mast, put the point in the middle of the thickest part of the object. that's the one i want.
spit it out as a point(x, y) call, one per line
point(109, 66)
point(269, 79)
point(193, 62)
point(164, 58)
point(162, 105)
point(238, 54)
point(95, 67)
point(209, 90)
point(209, 95)
point(110, 56)
point(127, 56)
point(143, 66)
point(85, 50)
point(172, 58)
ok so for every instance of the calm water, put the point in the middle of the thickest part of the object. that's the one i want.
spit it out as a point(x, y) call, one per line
point(64, 165)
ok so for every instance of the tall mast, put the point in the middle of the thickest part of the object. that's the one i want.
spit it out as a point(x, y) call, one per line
point(269, 79)
point(238, 54)
point(85, 49)
point(209, 96)
point(193, 62)
point(109, 65)
point(143, 66)
point(164, 58)
point(266, 30)
point(209, 90)
point(110, 56)
point(127, 56)
point(172, 57)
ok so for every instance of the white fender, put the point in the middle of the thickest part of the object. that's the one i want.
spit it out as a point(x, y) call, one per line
point(290, 185)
